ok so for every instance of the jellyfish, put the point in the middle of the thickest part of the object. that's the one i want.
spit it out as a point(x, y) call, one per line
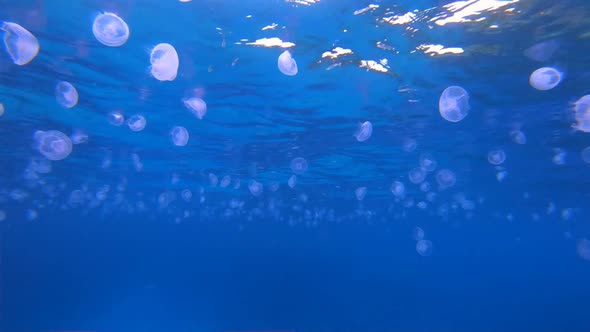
point(53, 144)
point(518, 137)
point(1, 109)
point(292, 182)
point(179, 136)
point(545, 78)
point(542, 51)
point(136, 122)
point(424, 247)
point(496, 157)
point(453, 104)
point(110, 29)
point(364, 131)
point(582, 114)
point(20, 44)
point(255, 188)
point(427, 162)
point(287, 64)
point(164, 60)
point(115, 118)
point(398, 189)
point(197, 106)
point(360, 193)
point(299, 165)
point(445, 178)
point(417, 175)
point(66, 94)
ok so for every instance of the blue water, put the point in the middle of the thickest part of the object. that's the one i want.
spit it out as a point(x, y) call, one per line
point(129, 232)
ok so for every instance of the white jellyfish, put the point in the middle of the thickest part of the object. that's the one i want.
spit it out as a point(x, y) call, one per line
point(364, 132)
point(292, 182)
point(398, 189)
point(545, 78)
point(66, 94)
point(197, 106)
point(582, 114)
point(453, 104)
point(255, 188)
point(136, 122)
point(416, 175)
point(424, 247)
point(53, 144)
point(20, 44)
point(427, 162)
point(164, 62)
point(496, 157)
point(360, 193)
point(299, 165)
point(116, 118)
point(179, 136)
point(518, 137)
point(445, 178)
point(287, 64)
point(110, 29)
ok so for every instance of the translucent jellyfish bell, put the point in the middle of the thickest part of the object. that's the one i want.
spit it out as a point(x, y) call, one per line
point(110, 30)
point(197, 106)
point(20, 44)
point(299, 165)
point(136, 123)
point(545, 78)
point(582, 114)
point(53, 144)
point(287, 64)
point(179, 136)
point(66, 94)
point(424, 247)
point(496, 157)
point(364, 131)
point(453, 104)
point(164, 60)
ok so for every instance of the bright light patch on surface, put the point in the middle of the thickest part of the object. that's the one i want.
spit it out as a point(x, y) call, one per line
point(366, 9)
point(304, 2)
point(336, 52)
point(439, 49)
point(271, 42)
point(270, 27)
point(374, 66)
point(400, 20)
point(465, 10)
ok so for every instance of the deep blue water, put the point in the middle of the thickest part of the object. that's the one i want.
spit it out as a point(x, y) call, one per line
point(130, 232)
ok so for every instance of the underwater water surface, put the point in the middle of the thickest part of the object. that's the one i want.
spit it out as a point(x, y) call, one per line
point(294, 165)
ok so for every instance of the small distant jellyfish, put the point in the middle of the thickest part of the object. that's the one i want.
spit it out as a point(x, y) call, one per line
point(360, 193)
point(542, 51)
point(179, 136)
point(225, 181)
point(136, 122)
point(559, 156)
point(20, 44)
point(398, 189)
point(299, 165)
point(287, 64)
point(424, 247)
point(545, 78)
point(53, 144)
point(583, 248)
point(410, 145)
point(213, 180)
point(2, 215)
point(110, 30)
point(586, 155)
point(518, 137)
point(66, 94)
point(453, 104)
point(79, 137)
point(255, 188)
point(164, 60)
point(445, 178)
point(501, 176)
point(1, 109)
point(417, 175)
point(116, 118)
point(364, 131)
point(197, 106)
point(496, 157)
point(582, 114)
point(427, 162)
point(418, 233)
point(292, 182)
